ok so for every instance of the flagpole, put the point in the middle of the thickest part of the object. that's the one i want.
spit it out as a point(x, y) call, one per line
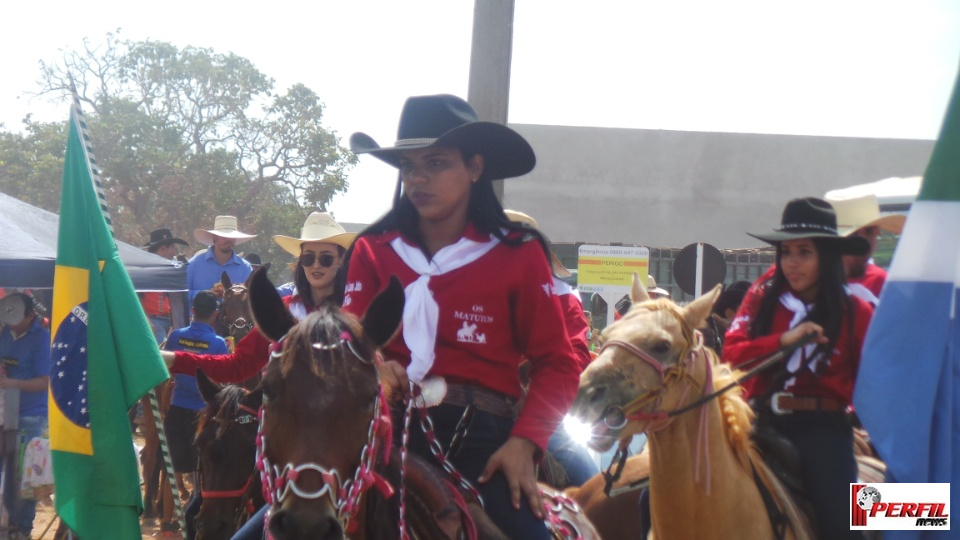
point(105, 210)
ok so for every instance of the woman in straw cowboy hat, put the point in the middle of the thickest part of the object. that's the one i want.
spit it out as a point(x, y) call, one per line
point(479, 300)
point(319, 251)
point(805, 398)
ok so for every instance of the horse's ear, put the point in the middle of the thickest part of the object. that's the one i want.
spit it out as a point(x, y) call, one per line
point(638, 293)
point(383, 317)
point(250, 277)
point(225, 281)
point(696, 312)
point(271, 316)
point(208, 390)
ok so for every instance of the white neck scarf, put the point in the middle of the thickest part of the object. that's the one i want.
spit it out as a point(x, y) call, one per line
point(421, 312)
point(800, 310)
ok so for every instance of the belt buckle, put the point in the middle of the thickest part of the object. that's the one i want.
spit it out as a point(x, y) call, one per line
point(432, 392)
point(775, 403)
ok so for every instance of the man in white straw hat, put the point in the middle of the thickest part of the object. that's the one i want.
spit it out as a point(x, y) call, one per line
point(206, 267)
point(860, 216)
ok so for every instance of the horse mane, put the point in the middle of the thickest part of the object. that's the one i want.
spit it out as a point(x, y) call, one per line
point(227, 405)
point(738, 420)
point(325, 327)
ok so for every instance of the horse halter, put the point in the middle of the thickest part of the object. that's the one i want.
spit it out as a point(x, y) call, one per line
point(280, 482)
point(239, 324)
point(679, 372)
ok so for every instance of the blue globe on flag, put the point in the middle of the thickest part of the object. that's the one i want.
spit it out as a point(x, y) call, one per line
point(68, 372)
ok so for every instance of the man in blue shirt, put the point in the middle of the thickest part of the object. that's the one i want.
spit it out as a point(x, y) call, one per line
point(206, 267)
point(180, 423)
point(25, 355)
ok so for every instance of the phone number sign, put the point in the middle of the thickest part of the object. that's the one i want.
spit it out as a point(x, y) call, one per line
point(610, 268)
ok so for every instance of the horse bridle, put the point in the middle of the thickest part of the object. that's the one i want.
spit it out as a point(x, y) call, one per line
point(246, 502)
point(239, 324)
point(280, 482)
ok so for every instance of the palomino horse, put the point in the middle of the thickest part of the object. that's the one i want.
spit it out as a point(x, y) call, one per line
point(226, 444)
point(325, 435)
point(706, 478)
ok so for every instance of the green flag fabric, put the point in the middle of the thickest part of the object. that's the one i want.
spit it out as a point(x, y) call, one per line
point(103, 359)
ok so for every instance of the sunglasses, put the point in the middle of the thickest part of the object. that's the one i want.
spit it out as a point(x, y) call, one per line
point(326, 259)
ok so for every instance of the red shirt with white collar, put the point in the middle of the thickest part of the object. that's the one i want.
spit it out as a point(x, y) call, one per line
point(493, 313)
point(838, 376)
point(873, 278)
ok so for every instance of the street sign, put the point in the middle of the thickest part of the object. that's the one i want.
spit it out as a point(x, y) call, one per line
point(699, 267)
point(610, 269)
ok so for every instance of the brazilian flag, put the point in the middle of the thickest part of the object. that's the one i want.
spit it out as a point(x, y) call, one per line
point(103, 359)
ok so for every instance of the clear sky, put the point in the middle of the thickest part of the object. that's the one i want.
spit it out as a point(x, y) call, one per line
point(870, 68)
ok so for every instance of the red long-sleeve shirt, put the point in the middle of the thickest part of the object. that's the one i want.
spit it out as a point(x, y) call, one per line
point(838, 377)
point(249, 356)
point(575, 321)
point(493, 313)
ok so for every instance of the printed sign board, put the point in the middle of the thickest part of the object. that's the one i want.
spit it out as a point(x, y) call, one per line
point(610, 269)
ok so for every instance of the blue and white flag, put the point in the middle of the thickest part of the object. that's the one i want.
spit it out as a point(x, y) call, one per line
point(908, 388)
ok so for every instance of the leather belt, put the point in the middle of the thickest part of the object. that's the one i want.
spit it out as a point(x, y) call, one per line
point(482, 399)
point(786, 403)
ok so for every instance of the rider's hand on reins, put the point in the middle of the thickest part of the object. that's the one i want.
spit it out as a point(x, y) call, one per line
point(515, 460)
point(797, 333)
point(393, 378)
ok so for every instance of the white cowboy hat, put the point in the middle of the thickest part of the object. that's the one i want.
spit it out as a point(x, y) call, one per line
point(519, 217)
point(653, 289)
point(224, 227)
point(863, 211)
point(319, 227)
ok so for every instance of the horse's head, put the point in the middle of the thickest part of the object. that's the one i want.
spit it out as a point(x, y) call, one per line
point(644, 354)
point(235, 318)
point(325, 422)
point(226, 443)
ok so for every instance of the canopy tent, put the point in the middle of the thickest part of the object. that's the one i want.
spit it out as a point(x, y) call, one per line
point(28, 253)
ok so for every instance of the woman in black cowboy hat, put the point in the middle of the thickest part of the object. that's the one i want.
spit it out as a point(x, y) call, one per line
point(479, 301)
point(805, 398)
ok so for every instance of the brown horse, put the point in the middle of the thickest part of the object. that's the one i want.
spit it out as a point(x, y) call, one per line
point(706, 478)
point(326, 432)
point(235, 320)
point(226, 443)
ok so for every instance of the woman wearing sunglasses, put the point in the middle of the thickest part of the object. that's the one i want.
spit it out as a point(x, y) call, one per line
point(319, 251)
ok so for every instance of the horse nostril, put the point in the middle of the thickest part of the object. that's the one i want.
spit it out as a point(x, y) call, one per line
point(279, 524)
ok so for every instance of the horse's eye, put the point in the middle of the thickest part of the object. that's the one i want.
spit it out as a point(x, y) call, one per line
point(662, 347)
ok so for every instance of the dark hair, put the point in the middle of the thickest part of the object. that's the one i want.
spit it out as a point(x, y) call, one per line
point(731, 297)
point(204, 304)
point(303, 285)
point(484, 211)
point(831, 305)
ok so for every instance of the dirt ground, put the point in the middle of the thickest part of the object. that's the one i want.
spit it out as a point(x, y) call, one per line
point(149, 527)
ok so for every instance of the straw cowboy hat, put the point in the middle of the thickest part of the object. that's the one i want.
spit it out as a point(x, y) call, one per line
point(855, 213)
point(450, 122)
point(224, 227)
point(160, 238)
point(813, 218)
point(519, 217)
point(319, 227)
point(652, 287)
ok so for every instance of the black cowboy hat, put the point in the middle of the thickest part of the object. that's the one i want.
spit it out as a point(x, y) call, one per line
point(813, 218)
point(161, 237)
point(451, 122)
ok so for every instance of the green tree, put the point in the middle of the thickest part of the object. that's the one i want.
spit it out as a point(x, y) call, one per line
point(182, 135)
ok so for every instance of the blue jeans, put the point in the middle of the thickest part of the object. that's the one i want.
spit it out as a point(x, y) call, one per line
point(824, 442)
point(573, 457)
point(253, 528)
point(484, 436)
point(21, 511)
point(160, 326)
